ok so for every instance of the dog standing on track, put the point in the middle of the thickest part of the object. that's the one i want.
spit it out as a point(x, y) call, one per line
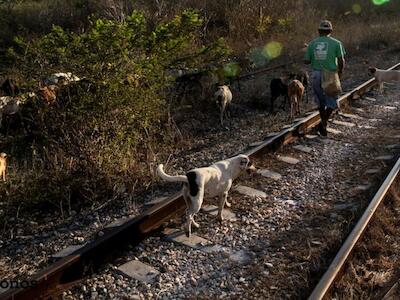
point(304, 78)
point(382, 76)
point(215, 180)
point(295, 93)
point(3, 165)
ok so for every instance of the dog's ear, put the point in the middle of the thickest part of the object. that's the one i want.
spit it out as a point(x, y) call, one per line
point(243, 162)
point(251, 168)
point(247, 165)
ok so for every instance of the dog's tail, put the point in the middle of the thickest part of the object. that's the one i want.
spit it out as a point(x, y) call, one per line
point(166, 177)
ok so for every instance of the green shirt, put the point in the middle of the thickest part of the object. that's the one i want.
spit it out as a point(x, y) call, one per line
point(323, 53)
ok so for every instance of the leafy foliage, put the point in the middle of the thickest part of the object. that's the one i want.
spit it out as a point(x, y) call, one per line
point(127, 63)
point(108, 120)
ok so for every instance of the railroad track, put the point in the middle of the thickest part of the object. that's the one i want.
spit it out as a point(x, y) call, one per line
point(71, 269)
point(340, 259)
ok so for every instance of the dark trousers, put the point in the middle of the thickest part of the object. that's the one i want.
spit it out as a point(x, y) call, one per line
point(325, 113)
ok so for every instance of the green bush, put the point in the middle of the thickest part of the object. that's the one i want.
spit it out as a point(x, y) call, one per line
point(107, 123)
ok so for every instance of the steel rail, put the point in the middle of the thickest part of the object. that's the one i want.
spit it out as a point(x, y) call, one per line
point(333, 270)
point(390, 291)
point(391, 294)
point(328, 278)
point(69, 270)
point(72, 268)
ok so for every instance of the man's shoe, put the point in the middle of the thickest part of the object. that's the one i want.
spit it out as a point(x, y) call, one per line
point(321, 130)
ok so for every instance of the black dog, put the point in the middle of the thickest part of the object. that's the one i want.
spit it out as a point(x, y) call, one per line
point(278, 88)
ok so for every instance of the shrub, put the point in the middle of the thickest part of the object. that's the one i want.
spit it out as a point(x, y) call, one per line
point(107, 123)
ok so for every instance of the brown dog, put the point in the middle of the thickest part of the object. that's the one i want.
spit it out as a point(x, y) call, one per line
point(48, 94)
point(3, 165)
point(295, 93)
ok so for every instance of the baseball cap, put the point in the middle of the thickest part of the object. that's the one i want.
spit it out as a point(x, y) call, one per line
point(325, 25)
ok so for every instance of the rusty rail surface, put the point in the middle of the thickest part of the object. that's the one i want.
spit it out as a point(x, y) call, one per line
point(71, 269)
point(330, 275)
point(84, 261)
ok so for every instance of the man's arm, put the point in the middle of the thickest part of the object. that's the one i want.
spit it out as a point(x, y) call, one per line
point(341, 64)
point(340, 58)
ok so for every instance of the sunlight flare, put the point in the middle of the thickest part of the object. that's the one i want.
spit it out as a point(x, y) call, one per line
point(273, 49)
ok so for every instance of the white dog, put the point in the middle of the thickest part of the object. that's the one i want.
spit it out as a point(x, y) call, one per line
point(223, 98)
point(382, 76)
point(3, 165)
point(215, 180)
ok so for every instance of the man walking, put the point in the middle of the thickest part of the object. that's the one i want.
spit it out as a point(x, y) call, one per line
point(324, 52)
